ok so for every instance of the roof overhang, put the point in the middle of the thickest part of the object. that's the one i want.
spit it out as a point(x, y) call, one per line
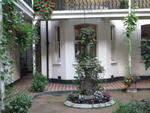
point(27, 10)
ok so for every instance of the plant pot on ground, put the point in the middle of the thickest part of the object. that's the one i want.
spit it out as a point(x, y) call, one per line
point(130, 83)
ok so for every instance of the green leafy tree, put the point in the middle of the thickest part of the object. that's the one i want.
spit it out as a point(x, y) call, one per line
point(88, 68)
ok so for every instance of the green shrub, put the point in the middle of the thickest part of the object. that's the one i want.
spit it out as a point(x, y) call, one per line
point(138, 107)
point(38, 83)
point(20, 103)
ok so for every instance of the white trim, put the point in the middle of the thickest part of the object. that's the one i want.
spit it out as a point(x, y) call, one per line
point(25, 8)
point(105, 13)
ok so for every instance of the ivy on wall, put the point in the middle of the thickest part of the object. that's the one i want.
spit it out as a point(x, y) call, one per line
point(14, 33)
point(19, 32)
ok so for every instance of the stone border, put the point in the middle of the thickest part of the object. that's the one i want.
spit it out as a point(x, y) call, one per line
point(89, 106)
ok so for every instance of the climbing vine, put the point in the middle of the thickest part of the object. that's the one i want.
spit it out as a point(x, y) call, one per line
point(130, 23)
point(15, 33)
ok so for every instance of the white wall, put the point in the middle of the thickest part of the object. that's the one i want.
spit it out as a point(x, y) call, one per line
point(43, 48)
point(138, 66)
point(65, 66)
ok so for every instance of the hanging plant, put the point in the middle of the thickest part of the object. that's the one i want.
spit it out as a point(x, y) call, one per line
point(44, 8)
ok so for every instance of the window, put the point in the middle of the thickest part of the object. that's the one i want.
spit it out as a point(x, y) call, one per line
point(113, 44)
point(145, 40)
point(57, 44)
point(78, 46)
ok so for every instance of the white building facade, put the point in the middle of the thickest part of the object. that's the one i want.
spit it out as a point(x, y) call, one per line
point(110, 47)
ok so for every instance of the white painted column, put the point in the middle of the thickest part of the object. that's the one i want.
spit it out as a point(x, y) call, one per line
point(43, 47)
point(33, 51)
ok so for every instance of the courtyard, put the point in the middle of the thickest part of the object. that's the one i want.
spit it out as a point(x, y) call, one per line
point(54, 103)
point(74, 56)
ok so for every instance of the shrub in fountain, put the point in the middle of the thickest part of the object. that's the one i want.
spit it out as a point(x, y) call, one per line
point(88, 70)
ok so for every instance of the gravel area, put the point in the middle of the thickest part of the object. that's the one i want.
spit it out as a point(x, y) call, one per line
point(54, 103)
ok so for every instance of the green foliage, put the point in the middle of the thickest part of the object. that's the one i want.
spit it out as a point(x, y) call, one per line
point(123, 4)
point(44, 8)
point(138, 107)
point(16, 33)
point(26, 34)
point(88, 67)
point(38, 83)
point(20, 103)
point(130, 23)
point(145, 46)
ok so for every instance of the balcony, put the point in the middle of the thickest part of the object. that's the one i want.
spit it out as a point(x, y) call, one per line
point(29, 2)
point(98, 4)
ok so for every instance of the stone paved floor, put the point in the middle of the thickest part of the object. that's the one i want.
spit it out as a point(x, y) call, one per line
point(54, 104)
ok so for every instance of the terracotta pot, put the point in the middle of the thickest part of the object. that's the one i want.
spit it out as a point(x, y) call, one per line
point(132, 88)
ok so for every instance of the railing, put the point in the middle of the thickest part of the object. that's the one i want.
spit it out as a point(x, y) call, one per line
point(98, 4)
point(29, 2)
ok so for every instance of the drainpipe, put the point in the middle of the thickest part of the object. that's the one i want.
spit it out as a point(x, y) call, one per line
point(129, 3)
point(47, 49)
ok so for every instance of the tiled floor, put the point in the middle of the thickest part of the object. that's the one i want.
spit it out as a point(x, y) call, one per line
point(25, 84)
point(144, 84)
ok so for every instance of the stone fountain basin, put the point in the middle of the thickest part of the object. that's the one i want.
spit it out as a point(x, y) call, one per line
point(88, 106)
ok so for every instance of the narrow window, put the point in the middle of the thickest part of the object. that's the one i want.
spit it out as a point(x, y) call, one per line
point(113, 44)
point(57, 44)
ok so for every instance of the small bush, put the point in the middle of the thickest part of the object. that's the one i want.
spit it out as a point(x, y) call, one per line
point(38, 83)
point(138, 107)
point(20, 103)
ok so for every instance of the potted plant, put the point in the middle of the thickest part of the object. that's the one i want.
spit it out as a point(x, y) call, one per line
point(130, 83)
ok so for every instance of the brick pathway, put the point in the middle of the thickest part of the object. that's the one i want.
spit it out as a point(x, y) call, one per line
point(144, 84)
point(25, 84)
